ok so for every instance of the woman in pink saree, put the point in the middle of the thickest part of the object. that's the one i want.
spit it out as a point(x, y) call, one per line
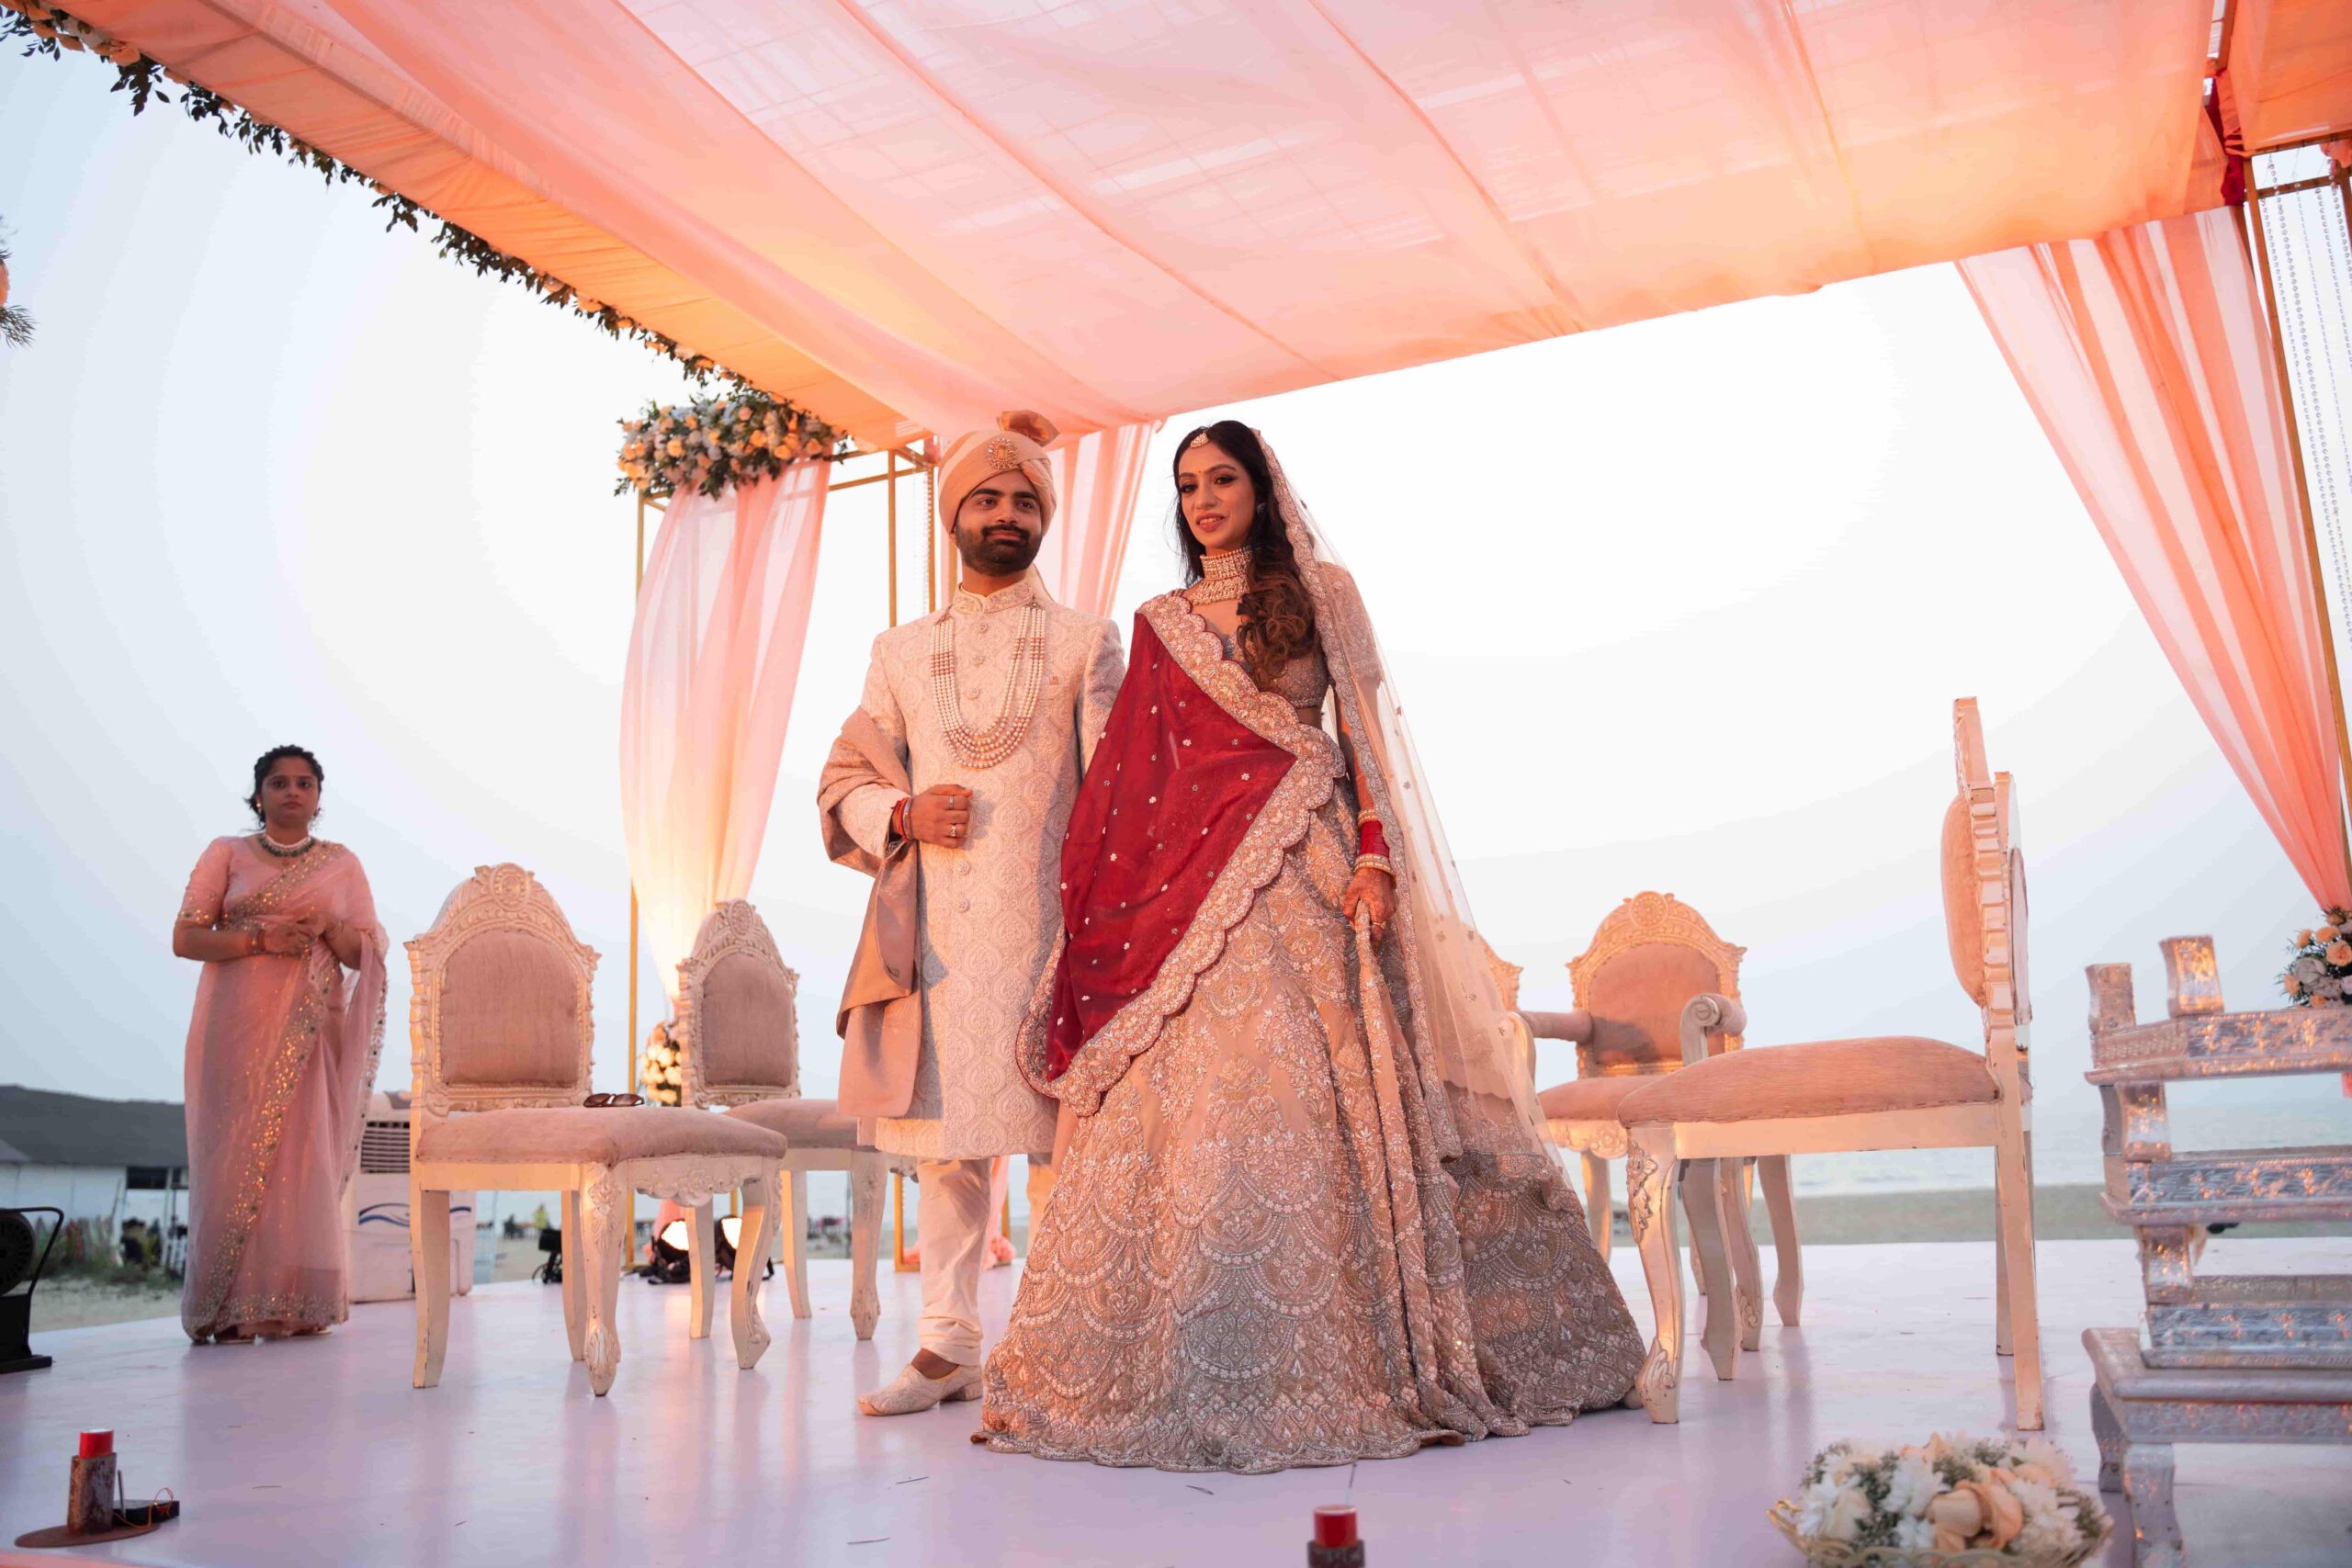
point(289, 1017)
point(1306, 1212)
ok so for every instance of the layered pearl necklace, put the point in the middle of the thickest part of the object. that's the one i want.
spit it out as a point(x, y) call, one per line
point(985, 749)
point(1224, 578)
point(285, 852)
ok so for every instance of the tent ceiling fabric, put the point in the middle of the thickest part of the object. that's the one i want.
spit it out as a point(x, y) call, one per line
point(910, 215)
point(2291, 69)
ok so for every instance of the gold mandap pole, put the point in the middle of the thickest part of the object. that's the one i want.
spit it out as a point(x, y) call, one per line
point(637, 587)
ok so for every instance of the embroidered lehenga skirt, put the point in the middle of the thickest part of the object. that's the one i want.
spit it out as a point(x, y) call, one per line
point(1255, 1259)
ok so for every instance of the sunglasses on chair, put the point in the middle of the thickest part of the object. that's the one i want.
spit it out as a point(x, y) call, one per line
point(601, 1101)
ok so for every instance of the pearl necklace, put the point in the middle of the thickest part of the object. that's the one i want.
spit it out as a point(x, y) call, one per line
point(1224, 578)
point(985, 749)
point(285, 852)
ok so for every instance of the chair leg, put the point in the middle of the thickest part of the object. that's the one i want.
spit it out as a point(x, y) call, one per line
point(575, 1278)
point(1649, 1200)
point(428, 1252)
point(793, 1245)
point(1747, 1269)
point(2013, 1194)
point(2004, 1343)
point(866, 1242)
point(753, 1240)
point(1780, 1206)
point(702, 1269)
point(604, 1224)
point(1702, 1202)
point(1597, 1217)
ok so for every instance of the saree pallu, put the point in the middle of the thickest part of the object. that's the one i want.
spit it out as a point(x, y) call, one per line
point(281, 1053)
point(1263, 1250)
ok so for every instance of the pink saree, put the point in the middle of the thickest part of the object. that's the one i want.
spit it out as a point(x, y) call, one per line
point(280, 1055)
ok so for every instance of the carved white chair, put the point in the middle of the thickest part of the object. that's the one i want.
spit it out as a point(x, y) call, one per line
point(738, 1020)
point(501, 1029)
point(1892, 1093)
point(1646, 991)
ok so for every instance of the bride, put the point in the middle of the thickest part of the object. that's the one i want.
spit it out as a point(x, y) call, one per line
point(1306, 1215)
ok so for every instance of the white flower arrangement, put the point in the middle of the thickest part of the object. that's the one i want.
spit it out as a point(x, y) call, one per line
point(712, 444)
point(660, 1072)
point(2319, 964)
point(1952, 1500)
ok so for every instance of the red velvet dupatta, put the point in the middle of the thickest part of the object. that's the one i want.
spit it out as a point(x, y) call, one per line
point(1199, 786)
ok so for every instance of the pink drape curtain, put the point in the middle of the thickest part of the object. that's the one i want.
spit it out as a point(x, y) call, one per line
point(2147, 354)
point(1097, 477)
point(707, 694)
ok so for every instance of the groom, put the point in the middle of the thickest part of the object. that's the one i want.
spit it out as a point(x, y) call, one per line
point(951, 784)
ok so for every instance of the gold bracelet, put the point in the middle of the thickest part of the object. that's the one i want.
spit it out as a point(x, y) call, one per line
point(1375, 863)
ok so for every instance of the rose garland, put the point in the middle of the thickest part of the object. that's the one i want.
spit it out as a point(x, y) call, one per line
point(2015, 1498)
point(2319, 964)
point(660, 1074)
point(711, 444)
point(48, 30)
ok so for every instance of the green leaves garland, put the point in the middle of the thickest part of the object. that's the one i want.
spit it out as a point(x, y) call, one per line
point(712, 444)
point(46, 29)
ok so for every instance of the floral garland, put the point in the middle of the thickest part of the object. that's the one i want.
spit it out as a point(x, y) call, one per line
point(660, 1074)
point(2319, 964)
point(2009, 1499)
point(711, 444)
point(48, 30)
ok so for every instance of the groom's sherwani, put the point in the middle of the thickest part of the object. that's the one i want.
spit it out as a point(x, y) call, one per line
point(989, 912)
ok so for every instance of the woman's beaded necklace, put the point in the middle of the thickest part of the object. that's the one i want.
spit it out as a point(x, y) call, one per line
point(1224, 578)
point(285, 852)
point(985, 749)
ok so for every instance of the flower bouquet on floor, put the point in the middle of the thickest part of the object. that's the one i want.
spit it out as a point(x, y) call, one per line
point(1996, 1503)
point(2319, 966)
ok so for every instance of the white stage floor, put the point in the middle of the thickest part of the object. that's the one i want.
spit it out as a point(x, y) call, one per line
point(318, 1450)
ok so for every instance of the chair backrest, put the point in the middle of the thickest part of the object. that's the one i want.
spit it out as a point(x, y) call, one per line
point(737, 1020)
point(499, 1011)
point(1648, 959)
point(1984, 887)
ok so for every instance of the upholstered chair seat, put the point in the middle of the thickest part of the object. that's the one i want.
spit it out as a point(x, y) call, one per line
point(1590, 1099)
point(809, 1124)
point(1828, 1078)
point(593, 1135)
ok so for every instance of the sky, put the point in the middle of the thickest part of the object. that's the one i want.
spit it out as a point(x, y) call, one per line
point(1681, 605)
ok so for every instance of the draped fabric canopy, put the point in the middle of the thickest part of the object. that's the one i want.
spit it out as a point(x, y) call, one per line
point(909, 216)
point(2148, 359)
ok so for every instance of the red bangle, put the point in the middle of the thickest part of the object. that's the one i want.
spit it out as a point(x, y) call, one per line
point(1371, 839)
point(899, 817)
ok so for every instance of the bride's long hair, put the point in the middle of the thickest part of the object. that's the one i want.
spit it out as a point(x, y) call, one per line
point(1277, 617)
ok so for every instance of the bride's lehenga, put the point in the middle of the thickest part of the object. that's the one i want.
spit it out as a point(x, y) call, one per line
point(1290, 1229)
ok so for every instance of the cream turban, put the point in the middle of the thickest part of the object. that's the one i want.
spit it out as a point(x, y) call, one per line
point(1019, 442)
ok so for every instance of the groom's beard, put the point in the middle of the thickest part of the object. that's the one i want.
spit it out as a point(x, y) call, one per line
point(994, 551)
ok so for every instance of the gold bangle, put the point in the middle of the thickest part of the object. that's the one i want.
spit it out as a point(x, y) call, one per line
point(1375, 863)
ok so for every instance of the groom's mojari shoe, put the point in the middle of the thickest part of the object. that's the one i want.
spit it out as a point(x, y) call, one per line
point(911, 1392)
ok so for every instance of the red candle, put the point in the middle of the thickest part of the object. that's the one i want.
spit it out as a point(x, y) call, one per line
point(1335, 1526)
point(96, 1443)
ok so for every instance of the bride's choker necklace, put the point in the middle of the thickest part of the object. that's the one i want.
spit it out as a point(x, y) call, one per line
point(1224, 578)
point(285, 852)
